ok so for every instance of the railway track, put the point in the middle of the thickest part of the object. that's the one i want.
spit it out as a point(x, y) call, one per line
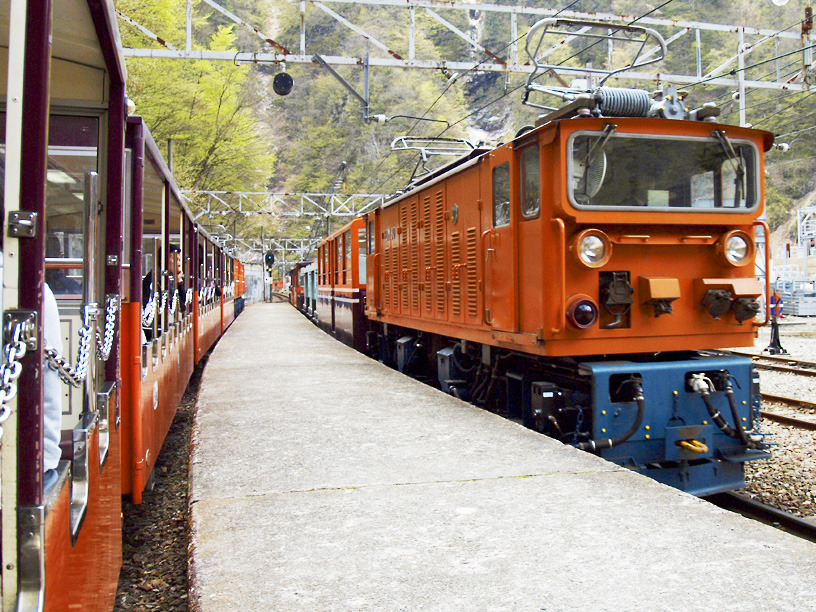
point(780, 363)
point(763, 513)
point(787, 420)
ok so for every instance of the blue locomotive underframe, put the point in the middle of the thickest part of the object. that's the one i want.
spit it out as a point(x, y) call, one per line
point(674, 413)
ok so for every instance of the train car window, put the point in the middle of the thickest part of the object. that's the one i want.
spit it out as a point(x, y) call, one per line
point(201, 278)
point(64, 242)
point(338, 258)
point(372, 238)
point(637, 172)
point(347, 257)
point(72, 153)
point(361, 248)
point(321, 267)
point(128, 207)
point(153, 201)
point(530, 183)
point(501, 195)
point(177, 282)
point(210, 271)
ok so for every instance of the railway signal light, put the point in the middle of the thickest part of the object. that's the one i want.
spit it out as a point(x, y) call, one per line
point(282, 83)
point(269, 259)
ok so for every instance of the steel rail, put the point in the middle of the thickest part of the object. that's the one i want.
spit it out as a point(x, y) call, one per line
point(794, 366)
point(789, 401)
point(764, 513)
point(788, 420)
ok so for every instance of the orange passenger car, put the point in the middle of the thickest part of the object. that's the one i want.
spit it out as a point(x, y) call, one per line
point(341, 284)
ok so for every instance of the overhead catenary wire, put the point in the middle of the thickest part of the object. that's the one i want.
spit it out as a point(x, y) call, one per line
point(560, 63)
point(515, 89)
point(796, 123)
point(766, 102)
point(790, 161)
point(734, 71)
point(445, 90)
point(782, 110)
point(807, 129)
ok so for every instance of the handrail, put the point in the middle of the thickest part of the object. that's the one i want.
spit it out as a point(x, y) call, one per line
point(486, 252)
point(562, 250)
point(375, 261)
point(767, 231)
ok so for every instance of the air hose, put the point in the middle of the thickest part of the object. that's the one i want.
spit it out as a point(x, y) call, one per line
point(605, 443)
point(458, 360)
point(702, 385)
point(743, 435)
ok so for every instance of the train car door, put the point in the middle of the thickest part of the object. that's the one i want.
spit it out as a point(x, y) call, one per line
point(372, 276)
point(499, 241)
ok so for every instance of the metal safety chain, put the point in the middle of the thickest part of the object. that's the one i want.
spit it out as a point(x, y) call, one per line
point(20, 334)
point(76, 375)
point(104, 346)
point(174, 302)
point(149, 311)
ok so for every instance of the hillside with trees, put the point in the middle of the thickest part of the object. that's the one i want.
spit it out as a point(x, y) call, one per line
point(231, 132)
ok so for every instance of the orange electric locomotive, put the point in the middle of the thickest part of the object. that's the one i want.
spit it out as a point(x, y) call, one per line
point(574, 278)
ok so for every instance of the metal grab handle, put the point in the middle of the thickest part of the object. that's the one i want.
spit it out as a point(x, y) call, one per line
point(562, 270)
point(767, 231)
point(482, 239)
point(375, 260)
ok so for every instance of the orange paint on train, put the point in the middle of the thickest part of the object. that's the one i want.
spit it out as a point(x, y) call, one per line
point(441, 265)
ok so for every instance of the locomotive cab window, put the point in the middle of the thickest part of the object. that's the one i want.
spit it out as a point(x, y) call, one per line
point(530, 183)
point(634, 172)
point(501, 195)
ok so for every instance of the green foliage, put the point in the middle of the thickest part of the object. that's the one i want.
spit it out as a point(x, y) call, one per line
point(208, 109)
point(232, 132)
point(777, 206)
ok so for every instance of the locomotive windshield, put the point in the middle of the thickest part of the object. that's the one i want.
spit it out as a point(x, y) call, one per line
point(636, 171)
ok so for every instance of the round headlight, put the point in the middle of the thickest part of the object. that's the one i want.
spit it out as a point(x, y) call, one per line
point(592, 248)
point(737, 249)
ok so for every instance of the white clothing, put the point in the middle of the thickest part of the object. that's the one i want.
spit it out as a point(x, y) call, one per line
point(52, 385)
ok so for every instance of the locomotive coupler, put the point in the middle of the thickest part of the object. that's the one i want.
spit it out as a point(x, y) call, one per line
point(692, 445)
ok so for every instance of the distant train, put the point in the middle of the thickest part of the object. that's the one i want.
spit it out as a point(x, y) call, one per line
point(574, 279)
point(108, 285)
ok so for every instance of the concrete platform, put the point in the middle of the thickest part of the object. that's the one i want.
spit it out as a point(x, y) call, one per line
point(322, 480)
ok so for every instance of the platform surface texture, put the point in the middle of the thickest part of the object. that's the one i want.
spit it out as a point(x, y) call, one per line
point(323, 480)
